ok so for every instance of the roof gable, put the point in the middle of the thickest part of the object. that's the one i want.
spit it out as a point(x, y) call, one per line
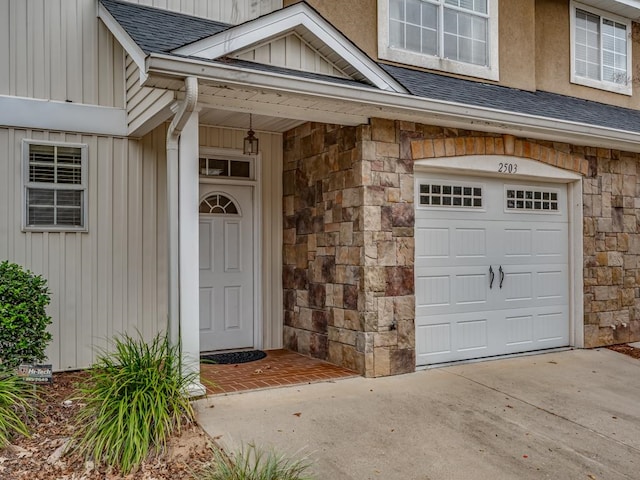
point(308, 25)
point(293, 52)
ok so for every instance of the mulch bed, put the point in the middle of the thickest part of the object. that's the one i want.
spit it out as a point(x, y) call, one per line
point(35, 458)
point(626, 349)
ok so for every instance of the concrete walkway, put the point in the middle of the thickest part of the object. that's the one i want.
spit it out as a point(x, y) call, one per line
point(567, 415)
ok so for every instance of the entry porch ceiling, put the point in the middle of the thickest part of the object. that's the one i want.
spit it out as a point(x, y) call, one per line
point(229, 106)
point(273, 111)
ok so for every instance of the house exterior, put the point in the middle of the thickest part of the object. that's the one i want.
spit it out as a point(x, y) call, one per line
point(436, 180)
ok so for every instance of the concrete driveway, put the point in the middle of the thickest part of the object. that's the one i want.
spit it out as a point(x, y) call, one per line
point(566, 415)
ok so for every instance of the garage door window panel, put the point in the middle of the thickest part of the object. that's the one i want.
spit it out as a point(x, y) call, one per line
point(450, 195)
point(532, 199)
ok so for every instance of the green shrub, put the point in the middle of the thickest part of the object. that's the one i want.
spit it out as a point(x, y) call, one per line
point(14, 406)
point(135, 400)
point(253, 463)
point(24, 297)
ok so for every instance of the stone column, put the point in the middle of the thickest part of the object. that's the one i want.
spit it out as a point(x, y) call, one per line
point(348, 253)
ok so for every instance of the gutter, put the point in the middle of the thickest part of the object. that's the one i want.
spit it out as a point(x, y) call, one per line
point(412, 108)
point(182, 113)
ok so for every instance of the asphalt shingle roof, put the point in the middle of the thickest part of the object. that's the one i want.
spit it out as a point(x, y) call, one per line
point(160, 31)
point(539, 103)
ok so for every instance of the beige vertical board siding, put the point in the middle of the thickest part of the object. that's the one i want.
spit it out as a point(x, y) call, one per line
point(271, 212)
point(6, 180)
point(112, 278)
point(227, 11)
point(5, 47)
point(291, 51)
point(142, 102)
point(59, 50)
point(154, 231)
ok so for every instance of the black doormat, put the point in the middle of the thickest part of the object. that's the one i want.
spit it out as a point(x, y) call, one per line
point(233, 357)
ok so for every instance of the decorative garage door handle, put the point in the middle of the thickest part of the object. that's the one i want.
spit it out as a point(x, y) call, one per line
point(491, 276)
point(501, 276)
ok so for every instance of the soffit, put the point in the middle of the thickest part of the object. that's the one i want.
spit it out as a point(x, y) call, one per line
point(624, 8)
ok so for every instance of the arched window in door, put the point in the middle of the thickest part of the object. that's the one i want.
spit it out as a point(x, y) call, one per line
point(218, 204)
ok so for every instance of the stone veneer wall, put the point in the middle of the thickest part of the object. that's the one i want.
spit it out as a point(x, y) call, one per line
point(348, 253)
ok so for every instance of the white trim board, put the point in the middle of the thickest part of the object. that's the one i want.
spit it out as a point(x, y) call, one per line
point(296, 17)
point(62, 116)
point(488, 165)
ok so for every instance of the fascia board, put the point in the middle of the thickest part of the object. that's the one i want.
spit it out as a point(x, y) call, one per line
point(384, 103)
point(124, 39)
point(299, 15)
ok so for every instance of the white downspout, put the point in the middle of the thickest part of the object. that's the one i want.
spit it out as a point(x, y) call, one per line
point(186, 107)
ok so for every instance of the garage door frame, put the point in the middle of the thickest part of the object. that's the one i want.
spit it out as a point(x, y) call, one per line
point(515, 168)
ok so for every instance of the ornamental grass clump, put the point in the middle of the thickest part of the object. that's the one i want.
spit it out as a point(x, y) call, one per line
point(15, 409)
point(254, 463)
point(135, 399)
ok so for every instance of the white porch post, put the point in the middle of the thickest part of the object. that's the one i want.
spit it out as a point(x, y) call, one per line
point(182, 199)
point(188, 231)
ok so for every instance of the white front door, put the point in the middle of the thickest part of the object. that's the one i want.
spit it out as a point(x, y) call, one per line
point(226, 267)
point(492, 271)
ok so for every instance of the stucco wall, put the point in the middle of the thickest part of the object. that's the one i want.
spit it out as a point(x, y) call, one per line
point(517, 44)
point(357, 19)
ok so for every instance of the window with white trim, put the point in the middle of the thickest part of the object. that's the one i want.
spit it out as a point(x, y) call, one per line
point(459, 36)
point(55, 186)
point(600, 49)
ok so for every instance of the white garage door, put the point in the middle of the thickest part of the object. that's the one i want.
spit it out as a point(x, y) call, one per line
point(492, 273)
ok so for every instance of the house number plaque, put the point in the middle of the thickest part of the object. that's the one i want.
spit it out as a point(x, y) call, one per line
point(507, 168)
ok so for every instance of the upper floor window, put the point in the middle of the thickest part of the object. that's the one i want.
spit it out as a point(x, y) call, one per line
point(55, 186)
point(458, 36)
point(601, 49)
